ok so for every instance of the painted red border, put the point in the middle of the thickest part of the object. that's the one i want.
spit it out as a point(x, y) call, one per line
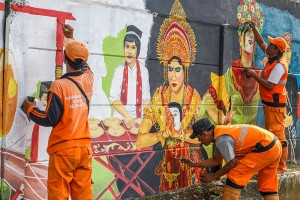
point(61, 18)
point(2, 6)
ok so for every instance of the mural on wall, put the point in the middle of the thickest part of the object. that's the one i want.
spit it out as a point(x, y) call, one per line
point(10, 92)
point(242, 89)
point(37, 143)
point(176, 50)
point(35, 180)
point(234, 88)
point(137, 138)
point(292, 100)
point(130, 89)
point(10, 99)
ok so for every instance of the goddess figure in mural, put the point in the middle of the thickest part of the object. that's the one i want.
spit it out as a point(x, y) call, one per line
point(130, 88)
point(174, 104)
point(242, 90)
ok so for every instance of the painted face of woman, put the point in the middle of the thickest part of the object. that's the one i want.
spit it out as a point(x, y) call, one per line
point(176, 115)
point(288, 54)
point(249, 42)
point(175, 75)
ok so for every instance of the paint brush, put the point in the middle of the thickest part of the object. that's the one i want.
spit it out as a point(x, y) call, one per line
point(62, 25)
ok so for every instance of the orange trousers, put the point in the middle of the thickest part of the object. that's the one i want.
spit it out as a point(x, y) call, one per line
point(274, 117)
point(265, 163)
point(69, 173)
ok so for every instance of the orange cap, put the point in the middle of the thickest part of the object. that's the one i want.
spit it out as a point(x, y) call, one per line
point(75, 49)
point(279, 42)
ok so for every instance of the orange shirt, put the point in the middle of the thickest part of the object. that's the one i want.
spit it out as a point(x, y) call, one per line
point(70, 129)
point(277, 96)
point(246, 137)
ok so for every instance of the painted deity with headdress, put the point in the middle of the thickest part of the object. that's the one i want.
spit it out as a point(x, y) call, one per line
point(234, 86)
point(174, 104)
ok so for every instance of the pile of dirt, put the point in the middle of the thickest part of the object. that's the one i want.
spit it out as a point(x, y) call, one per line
point(293, 166)
point(200, 192)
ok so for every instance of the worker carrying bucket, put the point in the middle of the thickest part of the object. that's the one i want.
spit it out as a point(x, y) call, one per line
point(246, 149)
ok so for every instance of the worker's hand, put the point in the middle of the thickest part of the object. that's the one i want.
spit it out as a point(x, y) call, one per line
point(26, 104)
point(207, 178)
point(68, 31)
point(252, 24)
point(249, 72)
point(188, 162)
point(228, 117)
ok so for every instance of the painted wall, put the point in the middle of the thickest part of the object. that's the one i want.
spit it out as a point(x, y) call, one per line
point(126, 164)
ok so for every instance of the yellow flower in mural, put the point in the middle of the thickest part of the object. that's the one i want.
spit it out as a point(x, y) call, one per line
point(249, 10)
point(239, 15)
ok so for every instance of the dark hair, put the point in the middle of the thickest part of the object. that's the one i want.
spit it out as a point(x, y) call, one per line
point(133, 38)
point(178, 59)
point(212, 127)
point(183, 68)
point(176, 105)
point(77, 64)
point(277, 57)
point(41, 94)
point(44, 88)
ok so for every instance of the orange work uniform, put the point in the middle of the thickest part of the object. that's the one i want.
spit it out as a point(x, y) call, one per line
point(70, 162)
point(257, 150)
point(275, 101)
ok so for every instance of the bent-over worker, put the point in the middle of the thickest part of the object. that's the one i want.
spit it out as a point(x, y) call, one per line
point(246, 149)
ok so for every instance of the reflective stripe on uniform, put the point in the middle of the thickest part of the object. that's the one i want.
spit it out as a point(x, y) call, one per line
point(243, 134)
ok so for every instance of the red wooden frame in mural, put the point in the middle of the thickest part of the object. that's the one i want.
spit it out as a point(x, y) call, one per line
point(121, 175)
point(2, 6)
point(109, 147)
point(61, 18)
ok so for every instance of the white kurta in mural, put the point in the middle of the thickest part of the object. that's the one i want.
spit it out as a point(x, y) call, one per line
point(116, 87)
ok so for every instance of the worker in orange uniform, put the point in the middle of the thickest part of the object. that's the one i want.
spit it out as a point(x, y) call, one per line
point(272, 89)
point(246, 149)
point(70, 155)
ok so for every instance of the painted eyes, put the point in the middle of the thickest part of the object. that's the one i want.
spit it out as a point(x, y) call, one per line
point(177, 69)
point(130, 47)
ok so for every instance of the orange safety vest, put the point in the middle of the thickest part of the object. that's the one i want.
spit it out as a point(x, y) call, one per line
point(277, 96)
point(247, 138)
point(72, 130)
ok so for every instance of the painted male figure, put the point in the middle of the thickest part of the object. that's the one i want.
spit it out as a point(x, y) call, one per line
point(246, 149)
point(130, 88)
